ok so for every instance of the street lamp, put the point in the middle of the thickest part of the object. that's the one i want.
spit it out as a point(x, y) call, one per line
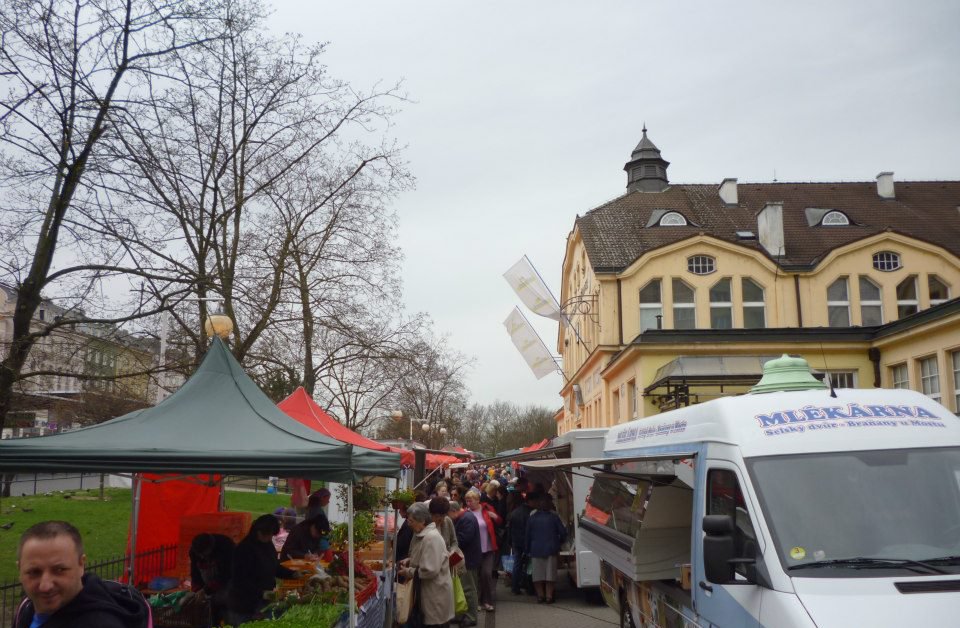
point(437, 430)
point(218, 324)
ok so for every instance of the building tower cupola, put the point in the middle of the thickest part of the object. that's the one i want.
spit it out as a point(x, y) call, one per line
point(646, 170)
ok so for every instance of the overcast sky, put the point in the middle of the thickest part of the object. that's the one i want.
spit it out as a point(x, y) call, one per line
point(525, 113)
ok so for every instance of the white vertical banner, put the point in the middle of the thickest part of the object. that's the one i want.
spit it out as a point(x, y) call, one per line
point(529, 344)
point(532, 290)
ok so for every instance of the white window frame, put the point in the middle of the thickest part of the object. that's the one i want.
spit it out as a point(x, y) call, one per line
point(914, 302)
point(721, 305)
point(933, 277)
point(683, 305)
point(651, 307)
point(887, 261)
point(754, 305)
point(673, 219)
point(616, 406)
point(840, 379)
point(869, 302)
point(955, 358)
point(835, 218)
point(701, 265)
point(632, 393)
point(838, 304)
point(930, 377)
point(900, 376)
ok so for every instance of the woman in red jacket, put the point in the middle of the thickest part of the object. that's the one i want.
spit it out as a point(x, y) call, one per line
point(487, 519)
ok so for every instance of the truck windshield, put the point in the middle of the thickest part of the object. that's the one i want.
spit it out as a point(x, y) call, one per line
point(835, 512)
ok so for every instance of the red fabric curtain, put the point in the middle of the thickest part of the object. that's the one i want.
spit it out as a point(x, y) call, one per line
point(163, 503)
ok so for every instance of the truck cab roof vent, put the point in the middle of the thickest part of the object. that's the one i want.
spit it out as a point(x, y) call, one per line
point(787, 374)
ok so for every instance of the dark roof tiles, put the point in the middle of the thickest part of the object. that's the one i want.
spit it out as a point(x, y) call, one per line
point(615, 234)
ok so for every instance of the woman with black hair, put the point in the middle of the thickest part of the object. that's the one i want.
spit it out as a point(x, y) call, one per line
point(255, 570)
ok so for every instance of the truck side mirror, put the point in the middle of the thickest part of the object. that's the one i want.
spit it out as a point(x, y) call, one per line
point(718, 548)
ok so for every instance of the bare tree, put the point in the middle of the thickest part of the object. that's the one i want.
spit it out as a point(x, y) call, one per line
point(434, 391)
point(66, 70)
point(250, 164)
point(363, 369)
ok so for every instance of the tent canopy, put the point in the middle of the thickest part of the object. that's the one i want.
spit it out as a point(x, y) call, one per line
point(219, 421)
point(300, 406)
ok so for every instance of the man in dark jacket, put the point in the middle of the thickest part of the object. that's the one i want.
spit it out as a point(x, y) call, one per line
point(59, 595)
point(255, 569)
point(517, 529)
point(307, 537)
point(468, 539)
point(211, 565)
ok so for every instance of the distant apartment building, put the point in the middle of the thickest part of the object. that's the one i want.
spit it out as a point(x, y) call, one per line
point(79, 373)
point(678, 293)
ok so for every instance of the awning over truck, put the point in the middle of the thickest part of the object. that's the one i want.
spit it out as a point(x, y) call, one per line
point(561, 451)
point(570, 463)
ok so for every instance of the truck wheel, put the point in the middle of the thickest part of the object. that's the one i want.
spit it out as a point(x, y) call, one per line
point(626, 617)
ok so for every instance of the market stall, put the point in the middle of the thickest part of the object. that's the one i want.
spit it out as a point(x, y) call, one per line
point(218, 422)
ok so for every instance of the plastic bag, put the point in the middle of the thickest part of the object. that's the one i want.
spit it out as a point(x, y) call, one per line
point(459, 599)
point(507, 561)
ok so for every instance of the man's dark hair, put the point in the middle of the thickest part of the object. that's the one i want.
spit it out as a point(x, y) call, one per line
point(202, 543)
point(265, 523)
point(48, 530)
point(439, 506)
point(420, 496)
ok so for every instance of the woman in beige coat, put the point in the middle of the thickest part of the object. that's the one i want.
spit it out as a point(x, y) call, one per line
point(429, 560)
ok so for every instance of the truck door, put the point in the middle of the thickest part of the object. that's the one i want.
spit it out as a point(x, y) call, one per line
point(731, 604)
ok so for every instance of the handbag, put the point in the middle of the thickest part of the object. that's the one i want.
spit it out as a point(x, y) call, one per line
point(459, 598)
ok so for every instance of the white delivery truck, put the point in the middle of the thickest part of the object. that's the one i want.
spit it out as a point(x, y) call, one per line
point(570, 488)
point(790, 506)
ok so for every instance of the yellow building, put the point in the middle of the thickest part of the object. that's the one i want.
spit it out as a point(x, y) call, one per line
point(679, 293)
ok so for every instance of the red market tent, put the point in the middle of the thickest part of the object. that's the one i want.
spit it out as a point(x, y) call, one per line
point(301, 407)
point(536, 446)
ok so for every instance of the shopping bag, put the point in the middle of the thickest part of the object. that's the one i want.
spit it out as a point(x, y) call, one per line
point(405, 600)
point(529, 567)
point(459, 599)
point(507, 561)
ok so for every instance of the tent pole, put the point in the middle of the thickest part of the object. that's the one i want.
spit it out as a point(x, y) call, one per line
point(132, 570)
point(388, 543)
point(222, 502)
point(352, 590)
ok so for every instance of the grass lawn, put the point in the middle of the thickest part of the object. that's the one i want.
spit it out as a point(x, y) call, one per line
point(103, 524)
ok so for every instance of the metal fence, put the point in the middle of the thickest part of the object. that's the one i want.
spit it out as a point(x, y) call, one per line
point(150, 564)
point(24, 484)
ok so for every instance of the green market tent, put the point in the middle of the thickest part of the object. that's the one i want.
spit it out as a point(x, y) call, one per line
point(219, 421)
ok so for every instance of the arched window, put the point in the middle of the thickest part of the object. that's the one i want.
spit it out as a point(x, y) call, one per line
point(887, 261)
point(721, 305)
point(673, 219)
point(684, 306)
point(939, 292)
point(701, 264)
point(754, 310)
point(838, 304)
point(871, 303)
point(907, 302)
point(651, 306)
point(835, 219)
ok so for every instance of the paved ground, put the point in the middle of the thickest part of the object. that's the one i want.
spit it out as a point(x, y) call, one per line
point(570, 609)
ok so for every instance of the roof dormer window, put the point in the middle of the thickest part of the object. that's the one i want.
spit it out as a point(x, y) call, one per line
point(835, 219)
point(673, 219)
